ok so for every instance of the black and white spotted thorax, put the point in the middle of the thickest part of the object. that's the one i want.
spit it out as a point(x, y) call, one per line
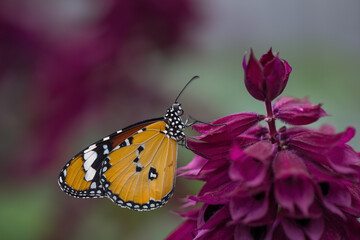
point(174, 123)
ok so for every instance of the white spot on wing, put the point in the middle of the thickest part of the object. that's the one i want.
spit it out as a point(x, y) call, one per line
point(106, 138)
point(89, 158)
point(93, 185)
point(106, 149)
point(90, 148)
point(90, 174)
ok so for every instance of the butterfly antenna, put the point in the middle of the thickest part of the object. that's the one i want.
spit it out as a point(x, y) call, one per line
point(193, 78)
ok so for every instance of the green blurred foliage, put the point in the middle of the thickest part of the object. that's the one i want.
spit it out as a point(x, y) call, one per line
point(26, 211)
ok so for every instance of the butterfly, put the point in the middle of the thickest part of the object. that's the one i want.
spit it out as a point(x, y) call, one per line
point(134, 167)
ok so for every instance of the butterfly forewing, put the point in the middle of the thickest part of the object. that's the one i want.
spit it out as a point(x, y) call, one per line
point(140, 174)
point(80, 177)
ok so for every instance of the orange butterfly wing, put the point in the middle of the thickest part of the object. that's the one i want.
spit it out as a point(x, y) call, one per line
point(141, 175)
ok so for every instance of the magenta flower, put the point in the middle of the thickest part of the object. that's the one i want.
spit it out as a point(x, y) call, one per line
point(263, 182)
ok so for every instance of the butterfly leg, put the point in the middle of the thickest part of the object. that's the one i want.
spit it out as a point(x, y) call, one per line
point(194, 121)
point(184, 144)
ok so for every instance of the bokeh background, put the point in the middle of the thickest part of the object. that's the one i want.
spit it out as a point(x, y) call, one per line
point(73, 71)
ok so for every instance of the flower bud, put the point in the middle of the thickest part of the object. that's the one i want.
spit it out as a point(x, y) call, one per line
point(265, 79)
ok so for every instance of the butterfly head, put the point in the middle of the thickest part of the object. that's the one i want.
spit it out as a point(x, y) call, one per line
point(177, 109)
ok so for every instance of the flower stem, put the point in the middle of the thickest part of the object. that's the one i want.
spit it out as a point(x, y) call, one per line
point(270, 120)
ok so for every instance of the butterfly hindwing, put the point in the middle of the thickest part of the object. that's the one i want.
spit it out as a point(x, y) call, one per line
point(80, 177)
point(139, 174)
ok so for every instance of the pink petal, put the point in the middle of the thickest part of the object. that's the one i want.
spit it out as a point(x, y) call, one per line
point(261, 150)
point(297, 111)
point(316, 141)
point(288, 70)
point(231, 127)
point(250, 208)
point(247, 169)
point(254, 78)
point(293, 187)
point(266, 57)
point(341, 159)
point(216, 218)
point(294, 229)
point(286, 163)
point(185, 231)
point(274, 79)
point(193, 168)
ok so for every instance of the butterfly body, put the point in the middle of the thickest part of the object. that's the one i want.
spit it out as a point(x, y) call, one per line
point(134, 167)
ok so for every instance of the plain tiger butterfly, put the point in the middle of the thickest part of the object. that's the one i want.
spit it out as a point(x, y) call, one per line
point(134, 167)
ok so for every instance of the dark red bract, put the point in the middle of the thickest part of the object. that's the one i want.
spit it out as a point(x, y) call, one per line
point(297, 111)
point(268, 183)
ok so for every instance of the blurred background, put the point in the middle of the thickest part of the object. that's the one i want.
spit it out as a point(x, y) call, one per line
point(73, 71)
